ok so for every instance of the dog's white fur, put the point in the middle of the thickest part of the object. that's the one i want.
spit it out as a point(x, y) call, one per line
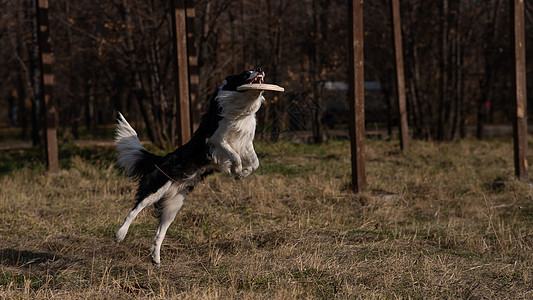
point(232, 144)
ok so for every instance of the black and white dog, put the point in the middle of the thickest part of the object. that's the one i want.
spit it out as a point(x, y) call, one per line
point(222, 142)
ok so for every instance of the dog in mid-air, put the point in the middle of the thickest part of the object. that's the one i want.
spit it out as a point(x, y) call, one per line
point(222, 142)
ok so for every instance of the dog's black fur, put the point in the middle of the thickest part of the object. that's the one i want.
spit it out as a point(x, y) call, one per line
point(154, 171)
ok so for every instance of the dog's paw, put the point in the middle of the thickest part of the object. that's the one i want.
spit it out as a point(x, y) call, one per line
point(236, 169)
point(120, 234)
point(245, 173)
point(156, 257)
point(156, 260)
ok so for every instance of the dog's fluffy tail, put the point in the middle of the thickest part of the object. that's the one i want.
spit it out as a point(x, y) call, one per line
point(131, 154)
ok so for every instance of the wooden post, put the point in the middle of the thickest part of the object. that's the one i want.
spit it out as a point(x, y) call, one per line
point(181, 70)
point(48, 109)
point(400, 78)
point(35, 74)
point(357, 94)
point(519, 84)
point(194, 72)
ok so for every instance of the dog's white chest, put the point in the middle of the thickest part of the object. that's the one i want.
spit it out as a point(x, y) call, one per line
point(242, 135)
point(231, 144)
point(239, 134)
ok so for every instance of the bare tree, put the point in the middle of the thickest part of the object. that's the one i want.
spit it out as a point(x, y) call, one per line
point(118, 55)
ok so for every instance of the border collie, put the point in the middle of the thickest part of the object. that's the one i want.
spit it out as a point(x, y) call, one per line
point(222, 142)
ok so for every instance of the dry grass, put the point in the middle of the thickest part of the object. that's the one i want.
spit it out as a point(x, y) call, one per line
point(446, 220)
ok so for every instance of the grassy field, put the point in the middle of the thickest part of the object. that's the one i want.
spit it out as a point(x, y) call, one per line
point(446, 220)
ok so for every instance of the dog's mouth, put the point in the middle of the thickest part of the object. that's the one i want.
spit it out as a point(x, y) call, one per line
point(257, 79)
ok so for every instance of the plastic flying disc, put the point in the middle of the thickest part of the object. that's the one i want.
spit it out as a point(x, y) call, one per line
point(260, 86)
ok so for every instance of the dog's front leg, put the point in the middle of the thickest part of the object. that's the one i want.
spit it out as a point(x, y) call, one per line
point(250, 162)
point(235, 159)
point(222, 151)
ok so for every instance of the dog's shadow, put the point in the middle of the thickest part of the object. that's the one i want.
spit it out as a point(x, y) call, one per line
point(29, 259)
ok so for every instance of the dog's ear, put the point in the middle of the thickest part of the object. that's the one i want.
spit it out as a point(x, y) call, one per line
point(230, 78)
point(228, 82)
point(233, 81)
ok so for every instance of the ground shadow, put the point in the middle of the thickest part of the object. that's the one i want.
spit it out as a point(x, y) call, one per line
point(29, 259)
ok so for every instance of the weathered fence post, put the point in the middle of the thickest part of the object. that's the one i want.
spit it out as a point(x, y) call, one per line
point(519, 89)
point(48, 108)
point(181, 70)
point(357, 94)
point(194, 72)
point(400, 78)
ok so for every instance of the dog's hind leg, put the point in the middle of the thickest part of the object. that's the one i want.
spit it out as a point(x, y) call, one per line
point(153, 198)
point(168, 209)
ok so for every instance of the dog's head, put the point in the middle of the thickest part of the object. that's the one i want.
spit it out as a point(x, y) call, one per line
point(236, 104)
point(233, 81)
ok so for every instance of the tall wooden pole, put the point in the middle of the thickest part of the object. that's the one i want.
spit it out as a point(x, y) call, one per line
point(519, 84)
point(357, 94)
point(194, 72)
point(181, 70)
point(36, 80)
point(400, 78)
point(48, 108)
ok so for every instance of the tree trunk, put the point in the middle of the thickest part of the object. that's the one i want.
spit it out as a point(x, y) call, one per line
point(443, 72)
point(320, 8)
point(486, 81)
